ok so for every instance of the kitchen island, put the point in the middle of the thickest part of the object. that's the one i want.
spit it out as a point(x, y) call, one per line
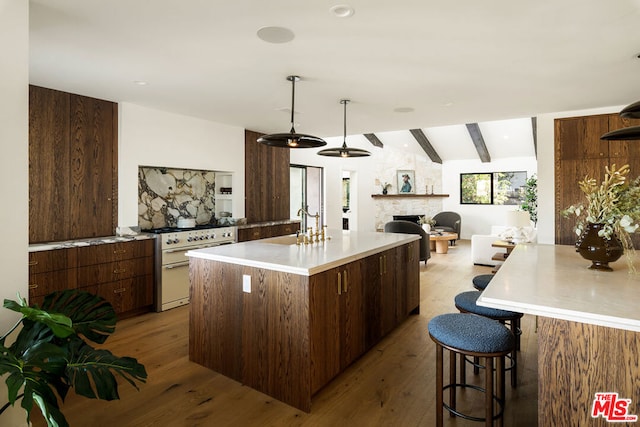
point(589, 330)
point(285, 319)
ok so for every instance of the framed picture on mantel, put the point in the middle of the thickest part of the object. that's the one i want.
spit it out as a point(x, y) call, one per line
point(406, 182)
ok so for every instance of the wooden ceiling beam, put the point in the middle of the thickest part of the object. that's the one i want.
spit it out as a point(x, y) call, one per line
point(478, 141)
point(424, 142)
point(373, 139)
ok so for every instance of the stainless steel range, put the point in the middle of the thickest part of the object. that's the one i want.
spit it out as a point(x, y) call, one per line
point(172, 265)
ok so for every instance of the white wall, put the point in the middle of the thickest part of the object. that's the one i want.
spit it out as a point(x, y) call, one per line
point(149, 137)
point(14, 169)
point(478, 219)
point(546, 168)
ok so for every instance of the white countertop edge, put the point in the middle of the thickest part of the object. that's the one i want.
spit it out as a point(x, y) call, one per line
point(406, 238)
point(556, 313)
point(248, 263)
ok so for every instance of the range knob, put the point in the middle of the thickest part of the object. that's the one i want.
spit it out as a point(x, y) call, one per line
point(176, 240)
point(189, 239)
point(169, 241)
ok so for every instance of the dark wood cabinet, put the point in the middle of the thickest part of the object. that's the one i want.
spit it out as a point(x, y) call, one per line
point(266, 180)
point(338, 321)
point(122, 273)
point(72, 166)
point(268, 230)
point(579, 151)
point(290, 334)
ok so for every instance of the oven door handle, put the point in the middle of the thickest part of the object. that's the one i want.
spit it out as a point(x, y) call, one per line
point(176, 265)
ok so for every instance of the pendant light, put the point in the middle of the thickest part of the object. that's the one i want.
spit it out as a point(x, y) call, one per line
point(344, 151)
point(292, 139)
point(631, 111)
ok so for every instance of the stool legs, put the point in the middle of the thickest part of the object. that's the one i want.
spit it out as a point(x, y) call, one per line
point(494, 387)
point(439, 385)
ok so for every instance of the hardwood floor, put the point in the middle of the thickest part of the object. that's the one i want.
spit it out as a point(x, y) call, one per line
point(392, 385)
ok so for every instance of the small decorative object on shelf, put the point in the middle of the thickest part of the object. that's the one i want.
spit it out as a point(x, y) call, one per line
point(612, 212)
point(385, 187)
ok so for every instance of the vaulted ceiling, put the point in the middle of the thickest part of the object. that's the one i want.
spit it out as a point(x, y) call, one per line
point(440, 76)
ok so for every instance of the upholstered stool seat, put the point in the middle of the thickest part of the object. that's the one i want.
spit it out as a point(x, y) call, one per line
point(481, 281)
point(471, 335)
point(466, 302)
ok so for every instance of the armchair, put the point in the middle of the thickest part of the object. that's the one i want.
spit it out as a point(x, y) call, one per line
point(408, 227)
point(448, 221)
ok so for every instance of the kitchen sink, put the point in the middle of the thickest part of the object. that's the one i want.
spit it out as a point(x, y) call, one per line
point(281, 240)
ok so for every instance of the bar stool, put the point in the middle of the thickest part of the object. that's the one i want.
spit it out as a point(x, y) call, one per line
point(481, 281)
point(470, 335)
point(466, 302)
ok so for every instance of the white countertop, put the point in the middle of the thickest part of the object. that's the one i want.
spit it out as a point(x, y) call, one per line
point(554, 281)
point(282, 254)
point(49, 246)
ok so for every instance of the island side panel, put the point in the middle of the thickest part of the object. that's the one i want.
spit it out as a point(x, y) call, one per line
point(215, 317)
point(275, 336)
point(260, 338)
point(578, 360)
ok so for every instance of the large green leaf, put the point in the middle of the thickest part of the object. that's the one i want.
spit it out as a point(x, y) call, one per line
point(92, 316)
point(60, 324)
point(90, 371)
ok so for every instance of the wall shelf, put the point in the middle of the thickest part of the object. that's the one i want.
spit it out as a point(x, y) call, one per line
point(395, 196)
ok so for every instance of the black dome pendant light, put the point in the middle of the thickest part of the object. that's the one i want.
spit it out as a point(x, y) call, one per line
point(292, 139)
point(631, 111)
point(344, 151)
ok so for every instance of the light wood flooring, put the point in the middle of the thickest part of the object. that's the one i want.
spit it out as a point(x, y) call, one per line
point(392, 385)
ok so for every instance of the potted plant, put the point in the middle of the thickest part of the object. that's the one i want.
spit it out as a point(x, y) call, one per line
point(426, 222)
point(385, 187)
point(530, 198)
point(49, 355)
point(610, 214)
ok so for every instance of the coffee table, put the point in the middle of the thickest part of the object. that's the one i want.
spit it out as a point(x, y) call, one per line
point(440, 241)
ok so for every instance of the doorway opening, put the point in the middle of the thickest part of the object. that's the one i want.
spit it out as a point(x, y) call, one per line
point(306, 192)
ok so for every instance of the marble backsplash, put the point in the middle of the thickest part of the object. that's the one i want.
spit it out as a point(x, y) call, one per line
point(166, 194)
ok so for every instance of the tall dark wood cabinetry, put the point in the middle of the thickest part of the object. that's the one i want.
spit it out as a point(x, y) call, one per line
point(266, 180)
point(579, 151)
point(72, 166)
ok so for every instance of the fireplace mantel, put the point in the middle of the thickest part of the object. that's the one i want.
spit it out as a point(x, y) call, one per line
point(395, 196)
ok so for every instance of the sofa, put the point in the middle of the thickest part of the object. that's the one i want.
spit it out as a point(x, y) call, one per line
point(481, 249)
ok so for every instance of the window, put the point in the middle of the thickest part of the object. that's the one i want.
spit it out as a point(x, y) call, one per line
point(492, 188)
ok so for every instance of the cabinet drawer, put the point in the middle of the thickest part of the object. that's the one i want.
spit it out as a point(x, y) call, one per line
point(114, 271)
point(129, 294)
point(57, 259)
point(97, 254)
point(42, 284)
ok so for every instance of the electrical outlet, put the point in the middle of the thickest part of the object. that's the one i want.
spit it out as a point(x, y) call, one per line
point(246, 283)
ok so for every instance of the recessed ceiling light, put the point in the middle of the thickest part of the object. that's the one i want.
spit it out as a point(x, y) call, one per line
point(342, 10)
point(403, 110)
point(275, 34)
point(448, 104)
point(140, 82)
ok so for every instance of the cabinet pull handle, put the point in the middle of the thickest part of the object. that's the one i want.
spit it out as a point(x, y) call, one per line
point(381, 268)
point(346, 281)
point(119, 291)
point(31, 263)
point(119, 251)
point(385, 264)
point(33, 286)
point(122, 270)
point(339, 283)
